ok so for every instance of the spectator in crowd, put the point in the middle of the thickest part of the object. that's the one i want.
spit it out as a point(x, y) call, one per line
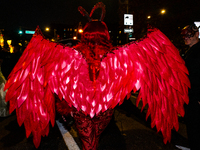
point(190, 35)
point(4, 107)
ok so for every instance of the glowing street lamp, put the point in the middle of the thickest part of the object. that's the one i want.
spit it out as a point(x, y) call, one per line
point(20, 32)
point(163, 11)
point(80, 30)
point(47, 29)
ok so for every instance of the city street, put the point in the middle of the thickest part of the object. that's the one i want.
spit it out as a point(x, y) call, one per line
point(90, 55)
point(128, 130)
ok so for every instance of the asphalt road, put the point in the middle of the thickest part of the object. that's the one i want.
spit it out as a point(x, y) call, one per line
point(128, 130)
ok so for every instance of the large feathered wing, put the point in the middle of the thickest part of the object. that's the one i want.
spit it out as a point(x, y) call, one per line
point(34, 104)
point(154, 67)
point(44, 68)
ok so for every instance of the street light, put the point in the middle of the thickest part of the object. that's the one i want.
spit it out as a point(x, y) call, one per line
point(163, 11)
point(148, 17)
point(80, 30)
point(47, 29)
point(20, 32)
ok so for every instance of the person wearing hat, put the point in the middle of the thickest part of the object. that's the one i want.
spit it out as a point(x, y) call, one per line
point(190, 35)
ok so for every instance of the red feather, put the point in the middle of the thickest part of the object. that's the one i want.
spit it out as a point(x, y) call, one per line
point(93, 78)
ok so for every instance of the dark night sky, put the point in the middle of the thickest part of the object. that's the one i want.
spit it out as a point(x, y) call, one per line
point(30, 13)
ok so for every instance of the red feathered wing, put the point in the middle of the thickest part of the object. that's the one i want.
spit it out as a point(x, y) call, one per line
point(152, 66)
point(45, 68)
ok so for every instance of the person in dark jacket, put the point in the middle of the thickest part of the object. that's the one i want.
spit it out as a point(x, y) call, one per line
point(190, 35)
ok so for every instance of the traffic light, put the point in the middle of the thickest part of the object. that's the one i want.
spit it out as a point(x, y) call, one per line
point(20, 32)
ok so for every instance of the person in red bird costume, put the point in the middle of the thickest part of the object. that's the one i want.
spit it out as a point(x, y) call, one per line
point(91, 78)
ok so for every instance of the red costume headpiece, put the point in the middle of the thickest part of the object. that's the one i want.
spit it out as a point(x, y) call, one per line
point(95, 40)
